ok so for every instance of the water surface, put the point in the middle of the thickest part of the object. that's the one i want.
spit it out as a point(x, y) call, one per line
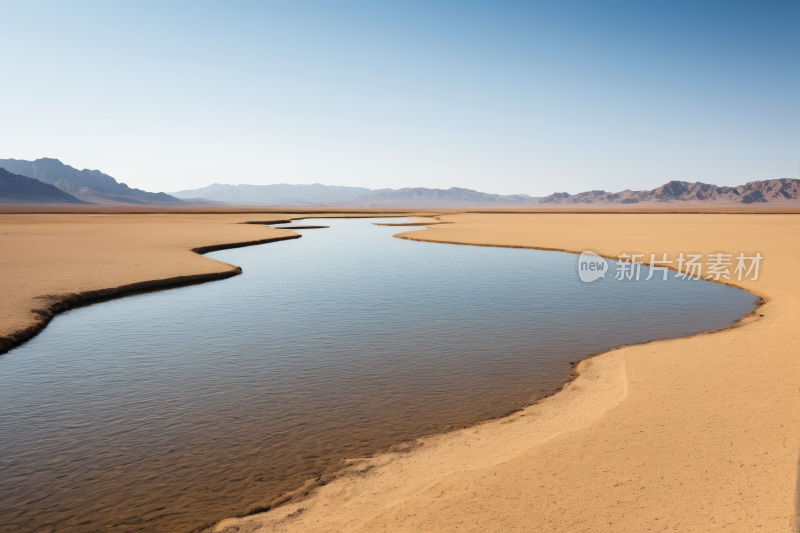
point(170, 410)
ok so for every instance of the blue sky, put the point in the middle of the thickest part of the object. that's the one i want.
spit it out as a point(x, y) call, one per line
point(506, 97)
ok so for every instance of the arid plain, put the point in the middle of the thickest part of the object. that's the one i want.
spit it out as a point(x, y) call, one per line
point(691, 434)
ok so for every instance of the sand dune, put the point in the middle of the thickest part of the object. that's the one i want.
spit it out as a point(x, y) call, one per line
point(693, 434)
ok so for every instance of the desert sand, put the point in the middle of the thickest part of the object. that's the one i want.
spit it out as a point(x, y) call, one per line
point(691, 434)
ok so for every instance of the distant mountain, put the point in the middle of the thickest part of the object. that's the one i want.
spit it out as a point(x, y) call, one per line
point(96, 187)
point(317, 194)
point(16, 189)
point(682, 191)
point(454, 196)
point(89, 185)
point(278, 194)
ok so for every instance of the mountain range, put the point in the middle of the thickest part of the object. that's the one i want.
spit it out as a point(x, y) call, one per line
point(781, 190)
point(70, 185)
point(91, 186)
point(317, 194)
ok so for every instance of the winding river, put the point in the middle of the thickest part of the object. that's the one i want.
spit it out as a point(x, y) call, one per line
point(170, 410)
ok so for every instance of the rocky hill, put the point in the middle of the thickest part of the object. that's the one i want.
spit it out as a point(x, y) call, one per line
point(16, 189)
point(782, 190)
point(88, 185)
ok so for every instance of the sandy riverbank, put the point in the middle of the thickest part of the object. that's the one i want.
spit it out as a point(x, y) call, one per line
point(52, 261)
point(693, 434)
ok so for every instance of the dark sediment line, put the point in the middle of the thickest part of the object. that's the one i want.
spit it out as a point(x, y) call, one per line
point(413, 224)
point(300, 227)
point(206, 249)
point(269, 222)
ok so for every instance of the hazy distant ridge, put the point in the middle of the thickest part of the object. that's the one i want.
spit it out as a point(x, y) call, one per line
point(684, 191)
point(280, 193)
point(451, 196)
point(317, 194)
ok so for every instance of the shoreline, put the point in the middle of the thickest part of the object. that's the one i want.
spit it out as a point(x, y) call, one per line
point(610, 369)
point(361, 494)
point(761, 299)
point(304, 486)
point(49, 305)
point(55, 303)
point(60, 303)
point(406, 446)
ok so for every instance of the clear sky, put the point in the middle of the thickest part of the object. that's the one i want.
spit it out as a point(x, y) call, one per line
point(506, 97)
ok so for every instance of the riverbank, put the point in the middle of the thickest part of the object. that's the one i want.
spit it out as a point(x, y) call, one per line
point(55, 261)
point(691, 434)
